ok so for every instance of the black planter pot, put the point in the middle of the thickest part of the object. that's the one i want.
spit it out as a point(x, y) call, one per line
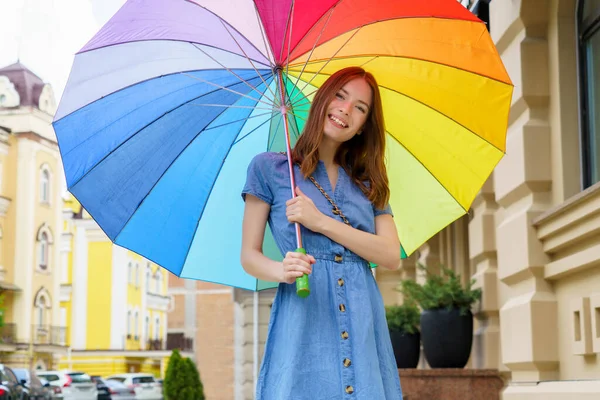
point(447, 337)
point(407, 348)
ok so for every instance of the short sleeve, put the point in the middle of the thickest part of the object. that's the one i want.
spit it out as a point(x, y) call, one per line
point(257, 179)
point(386, 210)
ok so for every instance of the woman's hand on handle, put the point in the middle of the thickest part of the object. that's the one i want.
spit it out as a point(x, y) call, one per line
point(295, 265)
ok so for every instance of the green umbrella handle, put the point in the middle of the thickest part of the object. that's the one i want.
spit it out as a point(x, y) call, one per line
point(302, 287)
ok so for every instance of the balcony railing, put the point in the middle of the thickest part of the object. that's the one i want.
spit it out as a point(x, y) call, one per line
point(49, 335)
point(8, 334)
point(156, 344)
point(179, 341)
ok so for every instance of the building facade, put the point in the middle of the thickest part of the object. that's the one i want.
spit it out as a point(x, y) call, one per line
point(114, 301)
point(32, 332)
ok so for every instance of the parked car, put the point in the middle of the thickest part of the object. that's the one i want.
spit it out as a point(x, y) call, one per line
point(34, 386)
point(103, 391)
point(144, 385)
point(74, 385)
point(120, 391)
point(10, 388)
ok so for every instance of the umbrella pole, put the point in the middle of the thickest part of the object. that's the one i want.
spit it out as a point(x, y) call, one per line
point(302, 286)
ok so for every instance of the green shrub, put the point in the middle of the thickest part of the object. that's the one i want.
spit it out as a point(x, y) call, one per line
point(441, 291)
point(404, 318)
point(182, 380)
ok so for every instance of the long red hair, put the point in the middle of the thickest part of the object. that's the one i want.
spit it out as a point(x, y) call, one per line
point(363, 156)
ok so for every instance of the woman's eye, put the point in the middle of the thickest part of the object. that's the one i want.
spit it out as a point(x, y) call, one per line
point(362, 109)
point(339, 96)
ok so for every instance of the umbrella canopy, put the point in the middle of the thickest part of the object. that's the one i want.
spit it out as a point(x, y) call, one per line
point(168, 103)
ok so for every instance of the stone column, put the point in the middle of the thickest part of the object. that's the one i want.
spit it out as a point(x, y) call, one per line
point(482, 254)
point(522, 186)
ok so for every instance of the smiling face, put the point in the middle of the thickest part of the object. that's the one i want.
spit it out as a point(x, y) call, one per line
point(348, 111)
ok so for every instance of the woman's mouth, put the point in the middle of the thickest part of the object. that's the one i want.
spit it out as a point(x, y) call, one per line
point(336, 121)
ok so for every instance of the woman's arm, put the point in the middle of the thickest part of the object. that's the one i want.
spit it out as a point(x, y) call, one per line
point(381, 248)
point(256, 213)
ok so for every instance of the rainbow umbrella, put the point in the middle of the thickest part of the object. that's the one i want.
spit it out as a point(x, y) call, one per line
point(168, 103)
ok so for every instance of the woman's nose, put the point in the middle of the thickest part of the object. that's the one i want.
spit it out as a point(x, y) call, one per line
point(345, 107)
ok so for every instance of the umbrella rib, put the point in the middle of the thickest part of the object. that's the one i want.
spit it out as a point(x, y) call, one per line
point(262, 31)
point(212, 186)
point(248, 58)
point(408, 58)
point(232, 27)
point(289, 25)
point(232, 106)
point(132, 135)
point(253, 130)
point(426, 169)
point(304, 98)
point(311, 51)
point(226, 88)
point(276, 128)
point(332, 57)
point(169, 167)
point(238, 120)
point(315, 24)
point(231, 71)
point(441, 113)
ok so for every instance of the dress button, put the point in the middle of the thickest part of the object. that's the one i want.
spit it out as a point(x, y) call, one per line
point(338, 258)
point(345, 335)
point(341, 282)
point(342, 308)
point(347, 362)
point(349, 389)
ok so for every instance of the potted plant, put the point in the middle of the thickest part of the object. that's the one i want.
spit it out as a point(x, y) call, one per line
point(403, 323)
point(446, 319)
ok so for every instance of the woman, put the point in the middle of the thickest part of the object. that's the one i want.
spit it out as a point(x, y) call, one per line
point(335, 343)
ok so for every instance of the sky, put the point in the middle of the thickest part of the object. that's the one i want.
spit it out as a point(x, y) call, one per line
point(45, 34)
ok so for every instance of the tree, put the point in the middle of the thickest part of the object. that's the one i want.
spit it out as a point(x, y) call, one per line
point(175, 380)
point(182, 380)
point(193, 380)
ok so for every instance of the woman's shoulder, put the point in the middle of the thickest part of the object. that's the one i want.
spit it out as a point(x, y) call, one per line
point(269, 159)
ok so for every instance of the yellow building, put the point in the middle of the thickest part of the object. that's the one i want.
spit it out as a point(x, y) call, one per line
point(33, 333)
point(114, 301)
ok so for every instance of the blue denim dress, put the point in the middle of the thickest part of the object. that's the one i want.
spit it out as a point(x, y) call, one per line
point(335, 343)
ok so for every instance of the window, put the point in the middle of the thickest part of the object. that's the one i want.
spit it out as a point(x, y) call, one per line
point(148, 277)
point(44, 240)
point(137, 275)
point(42, 303)
point(128, 323)
point(588, 26)
point(129, 273)
point(40, 311)
point(147, 326)
point(157, 282)
point(43, 251)
point(156, 327)
point(135, 325)
point(45, 185)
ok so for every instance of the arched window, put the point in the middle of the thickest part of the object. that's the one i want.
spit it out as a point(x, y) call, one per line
point(42, 303)
point(130, 273)
point(147, 326)
point(156, 327)
point(136, 324)
point(128, 323)
point(44, 241)
point(158, 280)
point(137, 275)
point(148, 277)
point(588, 29)
point(45, 184)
